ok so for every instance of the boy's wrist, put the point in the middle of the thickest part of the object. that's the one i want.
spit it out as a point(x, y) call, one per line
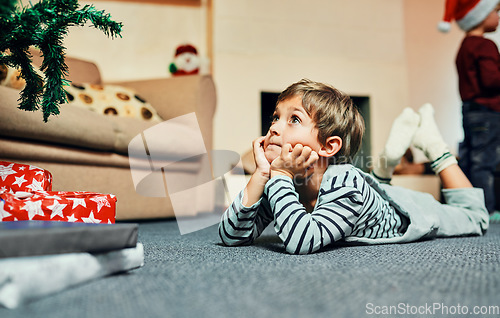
point(279, 172)
point(262, 174)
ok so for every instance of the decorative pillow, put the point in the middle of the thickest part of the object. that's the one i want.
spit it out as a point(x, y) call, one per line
point(111, 100)
point(104, 99)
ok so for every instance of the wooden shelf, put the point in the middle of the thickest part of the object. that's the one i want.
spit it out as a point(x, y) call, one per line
point(189, 3)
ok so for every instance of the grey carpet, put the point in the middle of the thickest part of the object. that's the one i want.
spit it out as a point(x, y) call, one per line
point(194, 276)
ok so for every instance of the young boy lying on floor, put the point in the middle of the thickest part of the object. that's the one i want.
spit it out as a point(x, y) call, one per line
point(304, 182)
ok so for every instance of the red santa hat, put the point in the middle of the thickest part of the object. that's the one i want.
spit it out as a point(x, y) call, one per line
point(467, 13)
point(185, 48)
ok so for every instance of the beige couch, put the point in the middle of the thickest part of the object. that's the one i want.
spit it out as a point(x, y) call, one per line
point(86, 151)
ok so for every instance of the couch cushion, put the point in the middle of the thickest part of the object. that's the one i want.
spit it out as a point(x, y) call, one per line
point(79, 71)
point(13, 149)
point(81, 128)
point(74, 126)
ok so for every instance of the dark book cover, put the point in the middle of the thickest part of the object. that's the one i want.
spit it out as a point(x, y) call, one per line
point(28, 238)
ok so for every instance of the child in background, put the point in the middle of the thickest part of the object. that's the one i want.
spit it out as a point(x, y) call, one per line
point(478, 66)
point(306, 186)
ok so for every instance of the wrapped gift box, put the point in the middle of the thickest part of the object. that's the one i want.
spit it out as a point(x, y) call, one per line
point(20, 177)
point(87, 207)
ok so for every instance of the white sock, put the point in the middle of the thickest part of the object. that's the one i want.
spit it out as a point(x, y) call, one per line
point(429, 140)
point(400, 137)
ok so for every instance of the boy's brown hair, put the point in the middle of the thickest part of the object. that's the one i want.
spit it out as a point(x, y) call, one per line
point(334, 114)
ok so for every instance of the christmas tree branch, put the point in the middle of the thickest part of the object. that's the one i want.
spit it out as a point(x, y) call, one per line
point(44, 25)
point(100, 20)
point(54, 68)
point(30, 95)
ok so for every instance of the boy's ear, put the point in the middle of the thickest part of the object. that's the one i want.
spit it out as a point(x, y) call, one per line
point(331, 147)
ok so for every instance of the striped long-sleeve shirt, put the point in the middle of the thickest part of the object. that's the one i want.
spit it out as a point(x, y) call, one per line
point(346, 206)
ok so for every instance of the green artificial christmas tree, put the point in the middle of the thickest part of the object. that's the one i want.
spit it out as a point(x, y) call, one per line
point(44, 25)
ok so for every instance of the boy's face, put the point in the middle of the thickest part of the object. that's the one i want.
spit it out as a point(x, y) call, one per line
point(291, 124)
point(490, 24)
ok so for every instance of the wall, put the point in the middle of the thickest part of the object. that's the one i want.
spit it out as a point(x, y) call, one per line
point(151, 33)
point(358, 46)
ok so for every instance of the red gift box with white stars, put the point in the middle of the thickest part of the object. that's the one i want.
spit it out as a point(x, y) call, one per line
point(25, 194)
point(21, 177)
point(87, 207)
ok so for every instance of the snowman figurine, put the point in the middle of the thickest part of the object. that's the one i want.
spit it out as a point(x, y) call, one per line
point(186, 61)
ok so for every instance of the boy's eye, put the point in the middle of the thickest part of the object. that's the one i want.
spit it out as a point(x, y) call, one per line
point(295, 120)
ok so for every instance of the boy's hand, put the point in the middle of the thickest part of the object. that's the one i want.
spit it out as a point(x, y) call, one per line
point(255, 186)
point(263, 167)
point(296, 162)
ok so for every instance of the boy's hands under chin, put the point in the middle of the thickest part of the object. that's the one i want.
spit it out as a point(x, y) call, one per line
point(296, 162)
point(263, 167)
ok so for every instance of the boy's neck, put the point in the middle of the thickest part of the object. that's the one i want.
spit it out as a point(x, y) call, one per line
point(475, 32)
point(308, 189)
